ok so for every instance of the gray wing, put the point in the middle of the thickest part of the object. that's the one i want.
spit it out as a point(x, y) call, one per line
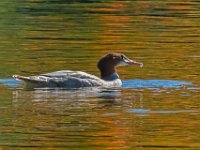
point(62, 79)
point(69, 73)
point(71, 79)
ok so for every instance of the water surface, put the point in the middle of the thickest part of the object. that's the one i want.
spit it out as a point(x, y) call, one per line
point(157, 106)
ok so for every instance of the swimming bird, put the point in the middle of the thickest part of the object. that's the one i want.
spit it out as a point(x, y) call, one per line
point(78, 79)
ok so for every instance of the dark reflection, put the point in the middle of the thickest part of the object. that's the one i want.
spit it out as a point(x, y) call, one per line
point(48, 7)
point(68, 1)
point(110, 98)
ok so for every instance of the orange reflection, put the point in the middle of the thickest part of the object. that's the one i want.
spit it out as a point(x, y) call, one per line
point(114, 26)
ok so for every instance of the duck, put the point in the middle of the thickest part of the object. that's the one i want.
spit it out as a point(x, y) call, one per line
point(78, 79)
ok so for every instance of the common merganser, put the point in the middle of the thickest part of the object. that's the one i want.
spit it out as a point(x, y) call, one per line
point(78, 79)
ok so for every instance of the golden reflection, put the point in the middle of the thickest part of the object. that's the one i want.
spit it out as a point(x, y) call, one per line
point(120, 129)
point(38, 38)
point(115, 7)
point(109, 119)
point(115, 128)
point(113, 26)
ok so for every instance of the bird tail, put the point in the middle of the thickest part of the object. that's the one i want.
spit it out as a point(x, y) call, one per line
point(23, 78)
point(19, 77)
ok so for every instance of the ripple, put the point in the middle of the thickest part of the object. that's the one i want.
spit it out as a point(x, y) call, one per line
point(195, 56)
point(143, 112)
point(133, 84)
point(10, 82)
point(137, 83)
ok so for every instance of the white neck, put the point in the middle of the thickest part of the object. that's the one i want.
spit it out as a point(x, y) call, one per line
point(111, 77)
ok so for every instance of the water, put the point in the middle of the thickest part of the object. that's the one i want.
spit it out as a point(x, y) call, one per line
point(156, 108)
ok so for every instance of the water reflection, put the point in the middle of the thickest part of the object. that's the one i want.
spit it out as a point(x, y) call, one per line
point(41, 94)
point(40, 36)
point(72, 118)
point(93, 98)
point(101, 118)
